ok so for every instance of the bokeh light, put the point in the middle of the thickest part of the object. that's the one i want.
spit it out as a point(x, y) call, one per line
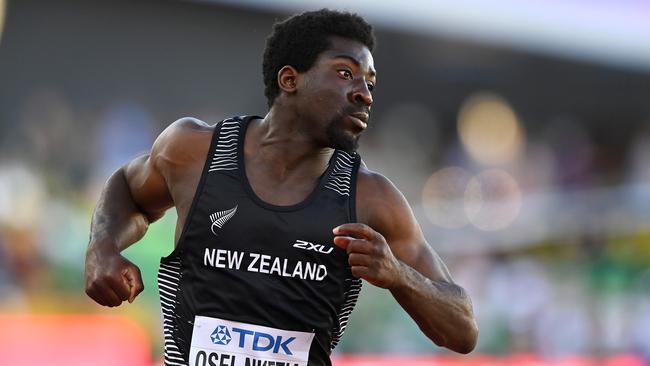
point(453, 198)
point(443, 197)
point(492, 200)
point(489, 129)
point(22, 195)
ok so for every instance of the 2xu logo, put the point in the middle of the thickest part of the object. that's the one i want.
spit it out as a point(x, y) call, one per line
point(301, 244)
point(260, 341)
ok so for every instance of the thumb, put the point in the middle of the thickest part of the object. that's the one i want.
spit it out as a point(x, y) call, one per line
point(133, 280)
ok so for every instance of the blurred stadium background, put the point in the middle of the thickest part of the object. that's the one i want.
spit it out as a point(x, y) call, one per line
point(518, 131)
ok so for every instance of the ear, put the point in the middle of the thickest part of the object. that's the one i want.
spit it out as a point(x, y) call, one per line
point(288, 79)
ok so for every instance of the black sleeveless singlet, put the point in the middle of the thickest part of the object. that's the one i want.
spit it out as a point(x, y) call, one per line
point(250, 283)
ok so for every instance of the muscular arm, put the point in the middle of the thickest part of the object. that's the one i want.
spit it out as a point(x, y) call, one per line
point(391, 252)
point(134, 196)
point(118, 221)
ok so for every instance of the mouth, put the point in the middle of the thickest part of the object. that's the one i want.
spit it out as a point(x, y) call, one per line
point(360, 119)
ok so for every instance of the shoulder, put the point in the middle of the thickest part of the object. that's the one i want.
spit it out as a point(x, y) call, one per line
point(380, 205)
point(184, 129)
point(185, 140)
point(378, 199)
point(371, 183)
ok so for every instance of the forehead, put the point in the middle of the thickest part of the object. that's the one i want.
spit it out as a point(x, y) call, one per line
point(347, 47)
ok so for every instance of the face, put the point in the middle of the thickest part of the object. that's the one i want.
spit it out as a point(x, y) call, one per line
point(336, 93)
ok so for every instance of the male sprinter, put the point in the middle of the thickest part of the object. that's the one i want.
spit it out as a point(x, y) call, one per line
point(278, 218)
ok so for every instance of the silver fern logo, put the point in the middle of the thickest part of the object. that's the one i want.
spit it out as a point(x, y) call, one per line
point(220, 218)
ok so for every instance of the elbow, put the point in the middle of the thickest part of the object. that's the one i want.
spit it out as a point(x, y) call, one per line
point(464, 336)
point(462, 340)
point(467, 335)
point(467, 339)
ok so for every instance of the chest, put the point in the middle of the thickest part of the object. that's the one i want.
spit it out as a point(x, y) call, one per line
point(236, 223)
point(286, 192)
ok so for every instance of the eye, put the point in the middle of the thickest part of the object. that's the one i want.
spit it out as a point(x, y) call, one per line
point(371, 86)
point(346, 74)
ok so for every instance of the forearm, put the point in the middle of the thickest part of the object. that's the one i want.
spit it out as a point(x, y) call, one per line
point(117, 221)
point(442, 310)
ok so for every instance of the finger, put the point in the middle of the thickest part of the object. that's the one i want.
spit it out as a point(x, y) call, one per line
point(112, 298)
point(360, 271)
point(357, 230)
point(119, 287)
point(108, 296)
point(98, 294)
point(134, 281)
point(95, 295)
point(342, 241)
point(356, 259)
point(360, 246)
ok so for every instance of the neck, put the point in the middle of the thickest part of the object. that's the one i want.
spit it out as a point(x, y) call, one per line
point(284, 140)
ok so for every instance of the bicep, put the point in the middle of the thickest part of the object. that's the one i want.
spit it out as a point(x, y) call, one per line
point(155, 180)
point(148, 187)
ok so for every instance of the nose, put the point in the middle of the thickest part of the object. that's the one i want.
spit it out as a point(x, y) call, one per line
point(361, 95)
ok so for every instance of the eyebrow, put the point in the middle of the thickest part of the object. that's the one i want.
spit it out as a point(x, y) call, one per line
point(356, 62)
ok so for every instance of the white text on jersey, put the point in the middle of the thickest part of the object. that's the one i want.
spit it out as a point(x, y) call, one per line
point(264, 264)
point(302, 244)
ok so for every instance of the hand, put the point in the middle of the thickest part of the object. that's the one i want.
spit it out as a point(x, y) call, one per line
point(111, 278)
point(369, 255)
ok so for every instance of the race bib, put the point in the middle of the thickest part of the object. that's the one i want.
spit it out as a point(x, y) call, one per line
point(219, 342)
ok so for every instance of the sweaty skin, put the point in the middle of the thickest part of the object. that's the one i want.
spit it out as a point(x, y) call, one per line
point(285, 153)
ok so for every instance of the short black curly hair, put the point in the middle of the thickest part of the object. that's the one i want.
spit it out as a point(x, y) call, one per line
point(298, 40)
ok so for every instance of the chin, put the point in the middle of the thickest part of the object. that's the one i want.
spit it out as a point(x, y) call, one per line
point(341, 138)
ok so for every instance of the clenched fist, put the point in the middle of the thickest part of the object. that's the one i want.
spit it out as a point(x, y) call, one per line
point(369, 255)
point(111, 278)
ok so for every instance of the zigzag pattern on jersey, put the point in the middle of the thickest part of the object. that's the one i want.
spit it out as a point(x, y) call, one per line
point(341, 177)
point(225, 154)
point(168, 282)
point(351, 296)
